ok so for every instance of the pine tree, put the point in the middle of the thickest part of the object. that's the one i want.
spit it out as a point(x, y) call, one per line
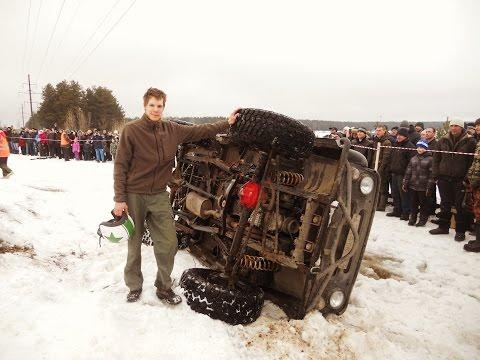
point(69, 106)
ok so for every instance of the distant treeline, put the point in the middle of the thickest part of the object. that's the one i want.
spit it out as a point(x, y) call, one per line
point(319, 124)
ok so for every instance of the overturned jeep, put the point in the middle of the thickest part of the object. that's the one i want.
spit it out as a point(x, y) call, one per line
point(273, 213)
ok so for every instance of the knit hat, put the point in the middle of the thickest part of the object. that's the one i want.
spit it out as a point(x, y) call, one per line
point(404, 124)
point(422, 143)
point(362, 130)
point(420, 124)
point(457, 121)
point(403, 131)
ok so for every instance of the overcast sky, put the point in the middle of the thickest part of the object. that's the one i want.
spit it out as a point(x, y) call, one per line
point(332, 60)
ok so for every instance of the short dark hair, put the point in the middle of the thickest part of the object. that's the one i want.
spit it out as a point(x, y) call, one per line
point(477, 122)
point(155, 93)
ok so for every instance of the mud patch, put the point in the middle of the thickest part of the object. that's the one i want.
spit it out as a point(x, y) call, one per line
point(11, 249)
point(281, 337)
point(59, 261)
point(375, 267)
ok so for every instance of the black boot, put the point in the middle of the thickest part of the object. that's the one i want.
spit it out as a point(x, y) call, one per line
point(474, 246)
point(459, 236)
point(412, 220)
point(134, 295)
point(404, 217)
point(168, 296)
point(393, 214)
point(422, 221)
point(438, 231)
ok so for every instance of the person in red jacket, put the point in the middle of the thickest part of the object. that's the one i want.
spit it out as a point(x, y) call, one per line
point(4, 153)
point(43, 140)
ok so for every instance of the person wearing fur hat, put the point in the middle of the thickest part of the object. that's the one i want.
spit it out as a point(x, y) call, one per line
point(413, 135)
point(450, 171)
point(419, 127)
point(419, 180)
point(398, 164)
point(4, 154)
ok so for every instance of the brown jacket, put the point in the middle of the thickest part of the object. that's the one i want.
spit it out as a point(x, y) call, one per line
point(146, 153)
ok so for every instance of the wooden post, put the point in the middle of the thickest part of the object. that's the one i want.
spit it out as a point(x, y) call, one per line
point(377, 158)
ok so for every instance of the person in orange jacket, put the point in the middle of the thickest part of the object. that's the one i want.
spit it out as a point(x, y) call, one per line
point(4, 153)
point(65, 145)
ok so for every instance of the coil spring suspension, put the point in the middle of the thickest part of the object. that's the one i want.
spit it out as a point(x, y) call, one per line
point(289, 178)
point(258, 263)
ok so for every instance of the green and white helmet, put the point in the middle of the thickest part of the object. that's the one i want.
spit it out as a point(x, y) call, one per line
point(119, 229)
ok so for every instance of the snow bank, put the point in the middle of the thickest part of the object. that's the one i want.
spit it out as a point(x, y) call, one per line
point(62, 296)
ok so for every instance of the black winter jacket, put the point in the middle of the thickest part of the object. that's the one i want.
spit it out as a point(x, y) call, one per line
point(413, 136)
point(365, 152)
point(97, 142)
point(453, 165)
point(419, 176)
point(400, 158)
point(385, 153)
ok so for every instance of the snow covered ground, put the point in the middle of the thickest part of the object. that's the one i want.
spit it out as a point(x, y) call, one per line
point(63, 297)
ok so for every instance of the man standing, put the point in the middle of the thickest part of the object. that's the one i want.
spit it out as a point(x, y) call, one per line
point(419, 127)
point(450, 171)
point(430, 133)
point(98, 145)
point(143, 167)
point(430, 138)
point(398, 165)
point(365, 143)
point(381, 136)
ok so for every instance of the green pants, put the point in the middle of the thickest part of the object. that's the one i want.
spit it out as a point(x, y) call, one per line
point(157, 212)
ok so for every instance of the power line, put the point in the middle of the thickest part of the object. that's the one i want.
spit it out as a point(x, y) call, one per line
point(79, 2)
point(50, 40)
point(34, 36)
point(26, 37)
point(99, 25)
point(104, 37)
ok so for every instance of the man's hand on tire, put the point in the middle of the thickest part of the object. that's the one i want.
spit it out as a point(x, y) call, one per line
point(119, 208)
point(233, 116)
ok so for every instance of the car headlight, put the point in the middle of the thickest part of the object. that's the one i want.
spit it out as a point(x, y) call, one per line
point(366, 185)
point(337, 298)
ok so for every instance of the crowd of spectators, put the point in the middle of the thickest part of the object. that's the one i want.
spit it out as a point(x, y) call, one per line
point(413, 164)
point(92, 144)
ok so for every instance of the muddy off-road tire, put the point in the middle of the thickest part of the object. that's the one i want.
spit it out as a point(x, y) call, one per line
point(208, 293)
point(147, 239)
point(259, 128)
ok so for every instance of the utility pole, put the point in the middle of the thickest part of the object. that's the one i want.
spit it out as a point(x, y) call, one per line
point(30, 94)
point(23, 117)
